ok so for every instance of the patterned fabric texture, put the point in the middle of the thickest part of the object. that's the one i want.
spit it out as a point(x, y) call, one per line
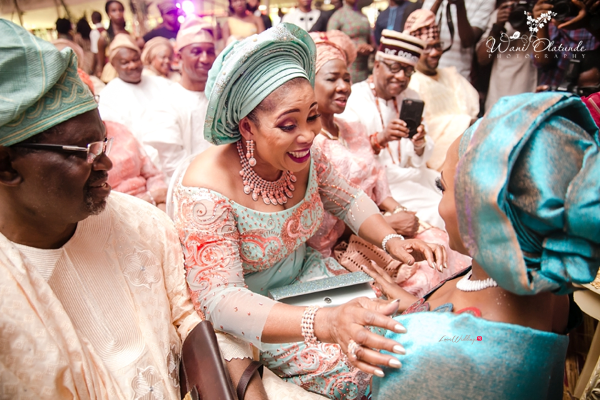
point(234, 255)
point(246, 72)
point(39, 85)
point(333, 45)
point(109, 321)
point(520, 204)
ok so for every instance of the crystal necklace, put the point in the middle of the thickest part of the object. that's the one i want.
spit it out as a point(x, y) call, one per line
point(274, 193)
point(467, 285)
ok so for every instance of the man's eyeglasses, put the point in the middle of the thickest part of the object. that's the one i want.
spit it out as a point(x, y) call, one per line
point(397, 67)
point(438, 46)
point(93, 150)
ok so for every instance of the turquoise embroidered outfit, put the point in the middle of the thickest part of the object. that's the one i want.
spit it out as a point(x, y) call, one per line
point(526, 191)
point(234, 254)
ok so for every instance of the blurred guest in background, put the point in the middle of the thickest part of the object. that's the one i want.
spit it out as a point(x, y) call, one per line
point(98, 28)
point(125, 98)
point(241, 23)
point(116, 14)
point(394, 17)
point(252, 6)
point(64, 29)
point(82, 38)
point(355, 24)
point(321, 24)
point(157, 57)
point(452, 102)
point(303, 15)
point(513, 71)
point(169, 26)
point(174, 121)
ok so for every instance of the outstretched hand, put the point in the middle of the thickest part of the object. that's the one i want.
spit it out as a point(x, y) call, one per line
point(346, 323)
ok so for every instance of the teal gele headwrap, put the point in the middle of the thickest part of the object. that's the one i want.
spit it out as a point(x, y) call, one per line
point(246, 72)
point(527, 193)
point(39, 85)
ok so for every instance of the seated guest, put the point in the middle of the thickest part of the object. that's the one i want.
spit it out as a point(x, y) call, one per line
point(531, 226)
point(133, 173)
point(245, 234)
point(376, 103)
point(94, 303)
point(174, 121)
point(126, 98)
point(347, 147)
point(452, 102)
point(157, 58)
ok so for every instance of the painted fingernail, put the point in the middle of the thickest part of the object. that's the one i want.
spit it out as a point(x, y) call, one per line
point(399, 328)
point(434, 265)
point(379, 373)
point(399, 349)
point(394, 363)
point(395, 301)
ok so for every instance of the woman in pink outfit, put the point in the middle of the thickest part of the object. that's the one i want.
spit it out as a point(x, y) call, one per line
point(133, 172)
point(347, 147)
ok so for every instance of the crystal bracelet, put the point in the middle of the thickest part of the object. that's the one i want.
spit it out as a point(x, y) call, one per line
point(308, 325)
point(388, 238)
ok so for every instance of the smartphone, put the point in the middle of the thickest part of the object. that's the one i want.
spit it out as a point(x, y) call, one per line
point(412, 113)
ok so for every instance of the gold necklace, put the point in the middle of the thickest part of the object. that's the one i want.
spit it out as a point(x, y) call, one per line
point(330, 136)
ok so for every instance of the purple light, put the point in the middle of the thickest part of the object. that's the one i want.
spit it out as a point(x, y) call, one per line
point(188, 7)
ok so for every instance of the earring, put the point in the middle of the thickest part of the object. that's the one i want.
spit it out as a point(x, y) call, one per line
point(250, 152)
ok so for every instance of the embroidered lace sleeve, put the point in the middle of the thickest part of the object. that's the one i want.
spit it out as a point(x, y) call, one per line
point(207, 228)
point(341, 198)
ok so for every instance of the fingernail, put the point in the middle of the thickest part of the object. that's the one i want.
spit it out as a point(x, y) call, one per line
point(394, 363)
point(399, 329)
point(399, 349)
point(434, 265)
point(395, 301)
point(379, 373)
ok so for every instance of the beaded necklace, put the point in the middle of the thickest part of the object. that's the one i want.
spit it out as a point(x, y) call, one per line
point(372, 86)
point(275, 193)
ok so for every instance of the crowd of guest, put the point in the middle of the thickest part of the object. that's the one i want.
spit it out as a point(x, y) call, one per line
point(151, 184)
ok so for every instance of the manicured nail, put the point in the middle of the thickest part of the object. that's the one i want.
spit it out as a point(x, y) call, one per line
point(399, 349)
point(379, 373)
point(399, 329)
point(395, 301)
point(394, 363)
point(434, 265)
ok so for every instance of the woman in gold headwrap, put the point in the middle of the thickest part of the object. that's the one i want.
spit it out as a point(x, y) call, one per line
point(157, 57)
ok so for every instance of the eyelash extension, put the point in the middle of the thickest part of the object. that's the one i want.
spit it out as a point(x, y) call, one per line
point(314, 117)
point(439, 185)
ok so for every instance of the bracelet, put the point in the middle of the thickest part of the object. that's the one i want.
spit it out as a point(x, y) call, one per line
point(308, 325)
point(388, 238)
point(151, 198)
point(396, 211)
point(375, 143)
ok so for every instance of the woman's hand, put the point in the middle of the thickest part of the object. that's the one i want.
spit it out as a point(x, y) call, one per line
point(364, 49)
point(347, 323)
point(405, 223)
point(385, 283)
point(411, 250)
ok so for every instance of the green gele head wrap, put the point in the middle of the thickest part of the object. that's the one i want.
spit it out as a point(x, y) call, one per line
point(39, 85)
point(247, 71)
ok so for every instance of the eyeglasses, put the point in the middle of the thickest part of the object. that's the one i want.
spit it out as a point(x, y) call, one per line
point(438, 46)
point(93, 150)
point(397, 67)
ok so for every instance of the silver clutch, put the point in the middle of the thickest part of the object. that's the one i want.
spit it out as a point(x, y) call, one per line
point(327, 292)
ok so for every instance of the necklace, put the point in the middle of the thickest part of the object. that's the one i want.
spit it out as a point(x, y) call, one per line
point(330, 136)
point(276, 192)
point(467, 285)
point(372, 86)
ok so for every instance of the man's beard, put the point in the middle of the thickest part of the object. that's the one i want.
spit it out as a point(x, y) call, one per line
point(94, 208)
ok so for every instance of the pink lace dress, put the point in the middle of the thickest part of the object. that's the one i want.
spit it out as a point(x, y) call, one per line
point(234, 255)
point(353, 157)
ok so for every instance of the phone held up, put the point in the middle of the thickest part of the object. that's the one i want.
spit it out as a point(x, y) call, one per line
point(412, 113)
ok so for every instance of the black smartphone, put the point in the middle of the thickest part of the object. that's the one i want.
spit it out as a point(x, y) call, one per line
point(412, 113)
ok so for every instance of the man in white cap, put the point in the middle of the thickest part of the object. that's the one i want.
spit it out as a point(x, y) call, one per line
point(126, 98)
point(174, 122)
point(377, 104)
point(452, 102)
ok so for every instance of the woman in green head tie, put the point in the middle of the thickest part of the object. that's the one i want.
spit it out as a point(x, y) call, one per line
point(245, 208)
point(520, 195)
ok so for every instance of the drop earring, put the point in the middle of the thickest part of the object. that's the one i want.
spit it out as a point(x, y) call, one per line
point(250, 153)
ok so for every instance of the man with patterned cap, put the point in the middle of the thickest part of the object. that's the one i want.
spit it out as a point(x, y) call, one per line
point(126, 98)
point(377, 103)
point(169, 27)
point(93, 299)
point(174, 122)
point(452, 102)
